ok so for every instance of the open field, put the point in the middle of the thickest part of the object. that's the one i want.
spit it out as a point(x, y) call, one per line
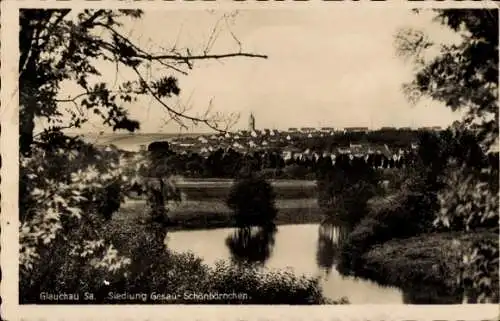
point(206, 214)
point(203, 189)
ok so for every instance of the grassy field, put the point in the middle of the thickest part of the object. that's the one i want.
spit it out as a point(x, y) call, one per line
point(204, 205)
point(207, 214)
point(203, 189)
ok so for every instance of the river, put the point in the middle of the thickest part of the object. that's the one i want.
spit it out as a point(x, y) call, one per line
point(306, 249)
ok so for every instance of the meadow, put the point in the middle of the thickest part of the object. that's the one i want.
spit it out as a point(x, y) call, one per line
point(203, 189)
point(204, 204)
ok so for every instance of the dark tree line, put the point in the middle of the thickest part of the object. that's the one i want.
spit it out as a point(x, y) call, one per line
point(230, 163)
point(397, 138)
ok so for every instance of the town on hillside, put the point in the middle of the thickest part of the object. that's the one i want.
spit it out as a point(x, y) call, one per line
point(303, 142)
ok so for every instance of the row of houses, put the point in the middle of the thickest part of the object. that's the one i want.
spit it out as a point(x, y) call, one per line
point(270, 136)
point(352, 153)
point(207, 144)
point(291, 152)
point(327, 130)
point(353, 129)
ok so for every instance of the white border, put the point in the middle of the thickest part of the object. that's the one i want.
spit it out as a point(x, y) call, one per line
point(11, 310)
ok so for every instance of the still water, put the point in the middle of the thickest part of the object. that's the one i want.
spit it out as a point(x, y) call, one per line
point(306, 249)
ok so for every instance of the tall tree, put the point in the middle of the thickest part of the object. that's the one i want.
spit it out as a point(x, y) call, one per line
point(65, 183)
point(62, 45)
point(464, 75)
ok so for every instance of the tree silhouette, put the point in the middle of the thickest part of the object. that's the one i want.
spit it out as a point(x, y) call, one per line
point(81, 39)
point(58, 47)
point(253, 202)
point(464, 76)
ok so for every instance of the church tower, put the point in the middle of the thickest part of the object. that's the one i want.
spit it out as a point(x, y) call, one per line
point(251, 123)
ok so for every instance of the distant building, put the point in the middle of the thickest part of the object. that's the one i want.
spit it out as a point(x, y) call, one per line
point(287, 155)
point(293, 129)
point(327, 129)
point(244, 132)
point(251, 123)
point(431, 128)
point(307, 129)
point(356, 129)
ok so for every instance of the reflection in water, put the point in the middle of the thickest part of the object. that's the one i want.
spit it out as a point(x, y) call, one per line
point(330, 239)
point(292, 247)
point(251, 245)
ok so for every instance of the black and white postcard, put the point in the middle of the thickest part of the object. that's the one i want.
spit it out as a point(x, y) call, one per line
point(250, 160)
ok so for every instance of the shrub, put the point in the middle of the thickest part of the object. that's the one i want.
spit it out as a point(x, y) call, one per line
point(401, 215)
point(269, 173)
point(64, 197)
point(265, 286)
point(295, 171)
point(344, 192)
point(253, 201)
point(155, 269)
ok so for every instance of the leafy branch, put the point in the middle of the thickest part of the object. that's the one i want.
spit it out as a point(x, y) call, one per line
point(56, 46)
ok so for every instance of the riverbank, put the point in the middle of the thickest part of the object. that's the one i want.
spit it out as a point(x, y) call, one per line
point(210, 214)
point(157, 275)
point(427, 265)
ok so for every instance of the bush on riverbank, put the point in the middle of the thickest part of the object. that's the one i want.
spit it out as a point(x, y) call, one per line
point(345, 190)
point(425, 260)
point(436, 196)
point(398, 216)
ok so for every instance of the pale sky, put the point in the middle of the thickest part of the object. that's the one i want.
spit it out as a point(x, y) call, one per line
point(327, 67)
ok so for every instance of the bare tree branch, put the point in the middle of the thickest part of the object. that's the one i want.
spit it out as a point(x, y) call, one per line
point(205, 57)
point(177, 57)
point(176, 115)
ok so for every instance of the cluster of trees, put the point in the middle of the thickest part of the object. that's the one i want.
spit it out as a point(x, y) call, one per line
point(453, 185)
point(396, 138)
point(231, 163)
point(69, 190)
point(465, 76)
